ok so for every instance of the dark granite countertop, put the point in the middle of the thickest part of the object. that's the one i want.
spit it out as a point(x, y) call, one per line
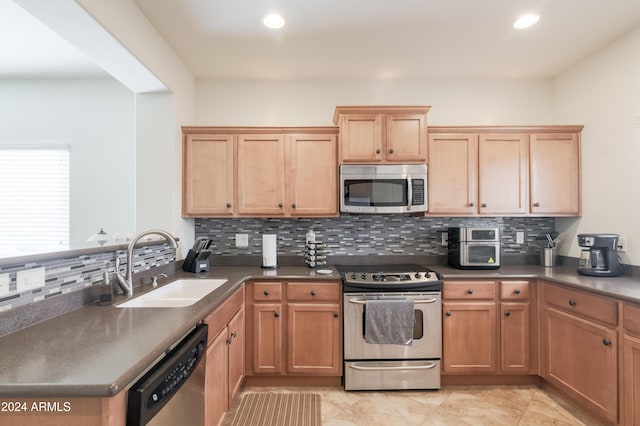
point(101, 350)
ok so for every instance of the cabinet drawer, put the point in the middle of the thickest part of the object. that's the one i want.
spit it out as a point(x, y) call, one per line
point(267, 291)
point(469, 290)
point(313, 291)
point(220, 317)
point(587, 305)
point(631, 318)
point(514, 290)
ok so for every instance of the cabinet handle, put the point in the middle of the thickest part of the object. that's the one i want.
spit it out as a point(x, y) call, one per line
point(536, 204)
point(391, 151)
point(448, 313)
point(336, 315)
point(606, 342)
point(484, 205)
point(471, 204)
point(516, 291)
point(280, 205)
point(234, 334)
point(228, 341)
point(228, 205)
point(266, 292)
point(378, 151)
point(313, 292)
point(276, 314)
point(507, 313)
point(469, 291)
point(293, 206)
point(572, 302)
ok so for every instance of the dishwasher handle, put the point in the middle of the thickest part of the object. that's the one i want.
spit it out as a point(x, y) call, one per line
point(154, 390)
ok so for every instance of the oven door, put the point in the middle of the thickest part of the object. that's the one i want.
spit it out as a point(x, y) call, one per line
point(427, 333)
point(480, 254)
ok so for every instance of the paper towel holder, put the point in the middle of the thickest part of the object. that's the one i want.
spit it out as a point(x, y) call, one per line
point(269, 251)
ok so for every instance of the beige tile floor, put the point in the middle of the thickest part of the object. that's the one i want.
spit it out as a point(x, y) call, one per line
point(452, 405)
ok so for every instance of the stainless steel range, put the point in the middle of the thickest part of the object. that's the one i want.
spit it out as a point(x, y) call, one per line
point(392, 327)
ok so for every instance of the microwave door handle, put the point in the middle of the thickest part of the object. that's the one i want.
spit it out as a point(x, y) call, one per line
point(409, 193)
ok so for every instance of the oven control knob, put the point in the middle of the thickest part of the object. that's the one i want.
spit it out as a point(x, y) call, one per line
point(417, 275)
point(354, 276)
point(363, 276)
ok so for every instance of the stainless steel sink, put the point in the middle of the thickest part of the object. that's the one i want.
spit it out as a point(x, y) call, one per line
point(177, 294)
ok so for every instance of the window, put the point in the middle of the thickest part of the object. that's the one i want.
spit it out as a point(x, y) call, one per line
point(34, 199)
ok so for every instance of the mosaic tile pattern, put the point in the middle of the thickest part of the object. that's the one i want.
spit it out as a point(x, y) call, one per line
point(65, 275)
point(361, 235)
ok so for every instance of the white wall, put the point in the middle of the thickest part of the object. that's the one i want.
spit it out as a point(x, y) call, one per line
point(603, 93)
point(96, 119)
point(305, 102)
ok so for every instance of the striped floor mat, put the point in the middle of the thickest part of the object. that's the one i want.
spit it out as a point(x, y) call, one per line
point(278, 409)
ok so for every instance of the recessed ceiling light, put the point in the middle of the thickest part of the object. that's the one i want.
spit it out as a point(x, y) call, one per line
point(525, 21)
point(273, 21)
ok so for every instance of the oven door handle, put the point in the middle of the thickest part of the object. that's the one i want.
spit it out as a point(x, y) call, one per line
point(426, 366)
point(416, 301)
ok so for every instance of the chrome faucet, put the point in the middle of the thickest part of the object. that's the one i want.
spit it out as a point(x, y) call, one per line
point(126, 284)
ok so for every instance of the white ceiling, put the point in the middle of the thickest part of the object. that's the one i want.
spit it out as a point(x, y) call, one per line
point(345, 39)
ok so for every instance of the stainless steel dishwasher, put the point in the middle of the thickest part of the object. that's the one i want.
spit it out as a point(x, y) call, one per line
point(172, 392)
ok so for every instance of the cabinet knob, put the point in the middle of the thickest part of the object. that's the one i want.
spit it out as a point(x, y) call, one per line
point(469, 291)
point(276, 314)
point(336, 315)
point(228, 205)
point(378, 151)
point(471, 204)
point(484, 205)
point(293, 206)
point(516, 291)
point(266, 292)
point(313, 292)
point(536, 204)
point(234, 334)
point(507, 313)
point(572, 302)
point(448, 313)
point(280, 205)
point(606, 342)
point(391, 151)
point(228, 341)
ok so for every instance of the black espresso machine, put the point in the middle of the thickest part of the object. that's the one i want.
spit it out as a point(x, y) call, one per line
point(599, 258)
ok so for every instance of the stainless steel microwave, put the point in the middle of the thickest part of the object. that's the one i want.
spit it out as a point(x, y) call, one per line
point(387, 188)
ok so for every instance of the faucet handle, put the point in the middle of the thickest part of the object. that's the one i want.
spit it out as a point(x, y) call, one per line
point(154, 279)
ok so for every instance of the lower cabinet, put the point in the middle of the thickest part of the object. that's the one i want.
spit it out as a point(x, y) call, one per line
point(488, 327)
point(579, 345)
point(295, 329)
point(630, 398)
point(224, 370)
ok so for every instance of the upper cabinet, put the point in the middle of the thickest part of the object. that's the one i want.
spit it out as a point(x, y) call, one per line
point(377, 134)
point(555, 174)
point(504, 171)
point(260, 172)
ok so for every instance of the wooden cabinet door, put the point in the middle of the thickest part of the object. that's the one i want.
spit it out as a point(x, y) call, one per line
point(312, 162)
point(314, 338)
point(406, 138)
point(580, 357)
point(236, 341)
point(503, 173)
point(631, 381)
point(361, 138)
point(216, 391)
point(469, 337)
point(452, 174)
point(267, 338)
point(515, 337)
point(555, 174)
point(207, 175)
point(261, 175)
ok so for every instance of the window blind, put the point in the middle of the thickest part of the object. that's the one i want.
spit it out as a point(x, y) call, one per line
point(34, 198)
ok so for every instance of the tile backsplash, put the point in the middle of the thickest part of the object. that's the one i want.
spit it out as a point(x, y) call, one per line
point(362, 235)
point(69, 274)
